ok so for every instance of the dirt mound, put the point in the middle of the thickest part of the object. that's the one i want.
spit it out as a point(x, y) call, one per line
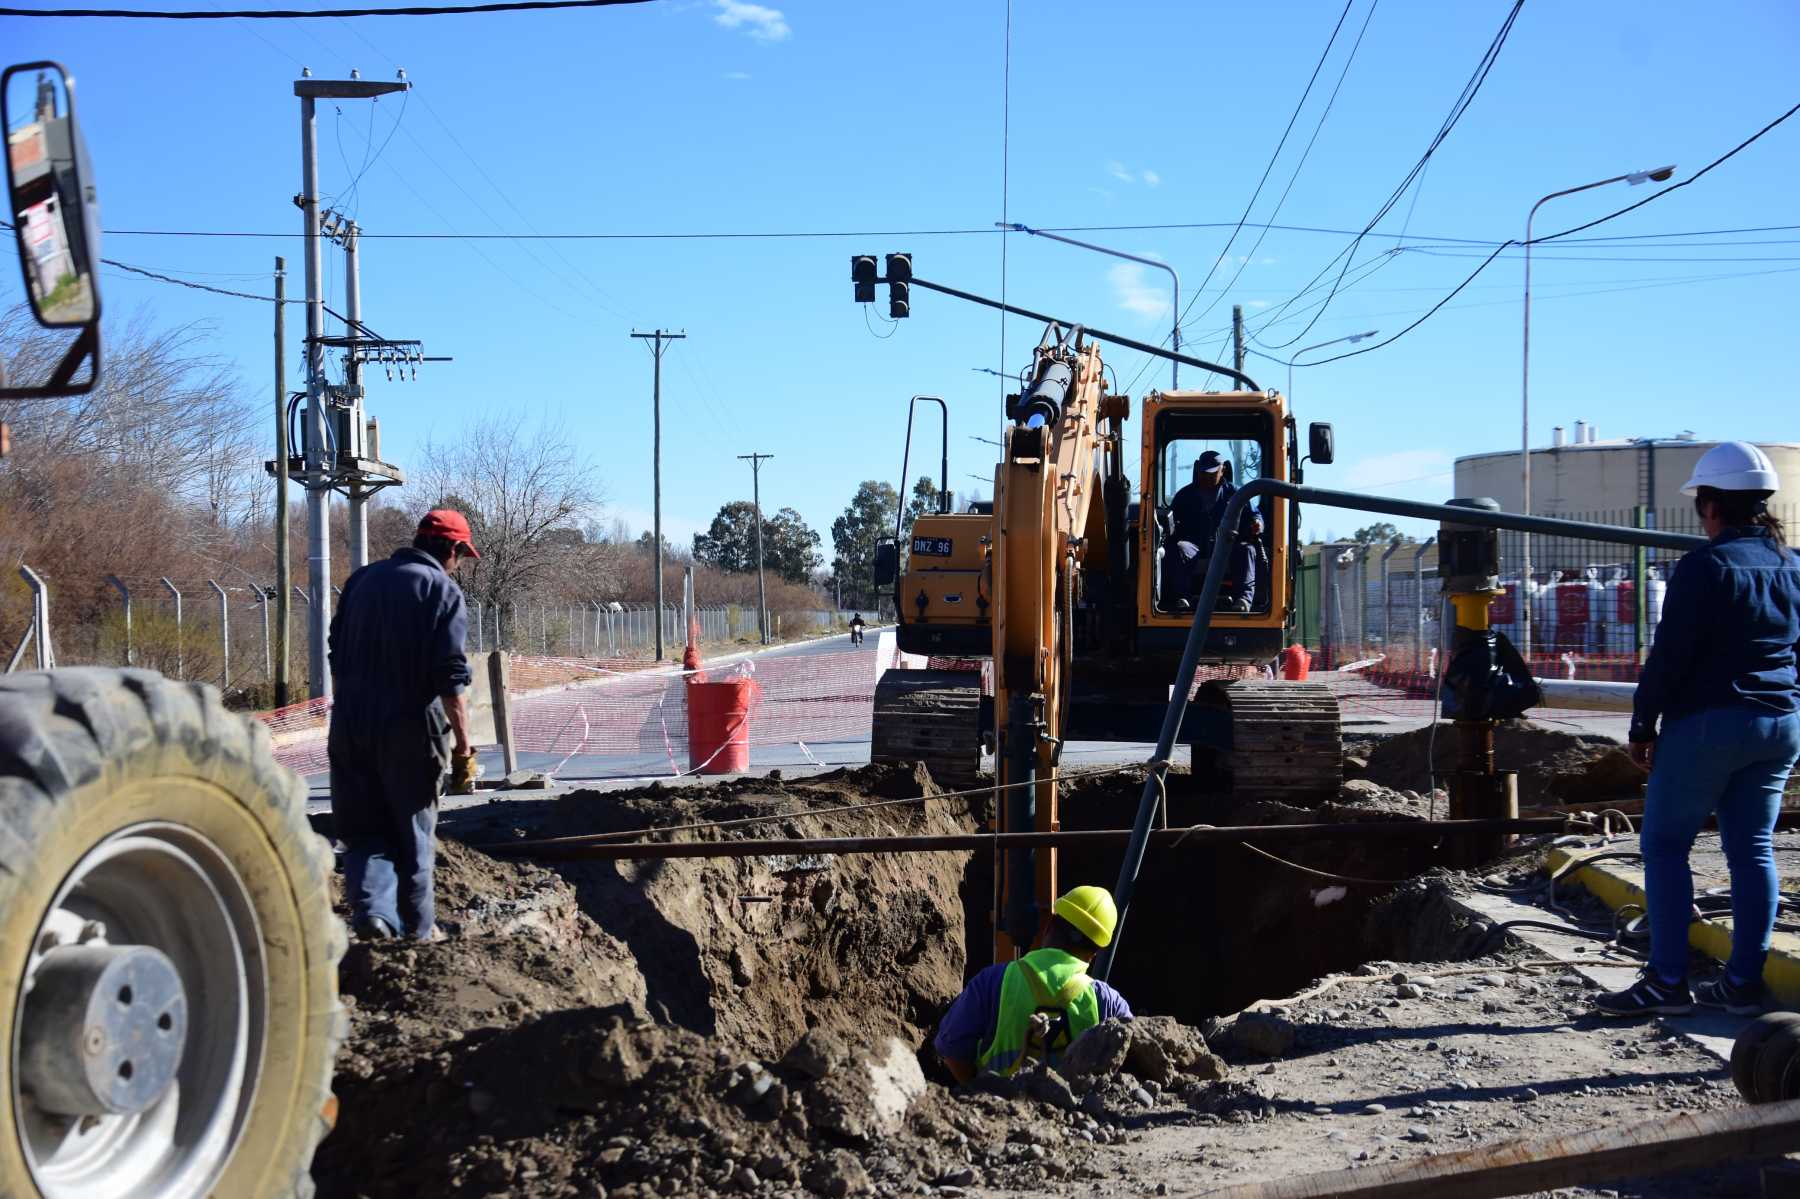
point(1539, 753)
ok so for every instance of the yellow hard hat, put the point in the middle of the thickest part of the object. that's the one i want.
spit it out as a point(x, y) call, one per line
point(1091, 910)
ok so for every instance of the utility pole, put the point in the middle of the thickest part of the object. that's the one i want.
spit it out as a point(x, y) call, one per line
point(762, 596)
point(320, 470)
point(1237, 338)
point(656, 340)
point(353, 488)
point(283, 568)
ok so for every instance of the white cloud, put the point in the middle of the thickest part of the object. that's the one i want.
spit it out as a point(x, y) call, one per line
point(1256, 303)
point(1151, 178)
point(762, 23)
point(1125, 174)
point(1135, 294)
point(1383, 471)
point(1117, 170)
point(735, 75)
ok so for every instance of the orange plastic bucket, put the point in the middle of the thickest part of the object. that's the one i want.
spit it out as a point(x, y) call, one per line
point(719, 725)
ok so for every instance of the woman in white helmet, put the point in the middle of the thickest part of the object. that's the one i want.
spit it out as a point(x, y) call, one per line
point(1721, 679)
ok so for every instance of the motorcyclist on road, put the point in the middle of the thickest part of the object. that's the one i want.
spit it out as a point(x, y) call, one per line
point(856, 628)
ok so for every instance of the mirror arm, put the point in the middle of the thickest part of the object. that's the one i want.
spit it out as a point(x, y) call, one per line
point(85, 345)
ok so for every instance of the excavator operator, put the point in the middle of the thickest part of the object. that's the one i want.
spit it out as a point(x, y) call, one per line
point(1194, 513)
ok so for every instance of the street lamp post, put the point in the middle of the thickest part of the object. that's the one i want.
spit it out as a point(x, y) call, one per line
point(1352, 339)
point(1634, 178)
point(1175, 299)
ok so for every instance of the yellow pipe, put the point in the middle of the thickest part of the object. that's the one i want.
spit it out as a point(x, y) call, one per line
point(1472, 609)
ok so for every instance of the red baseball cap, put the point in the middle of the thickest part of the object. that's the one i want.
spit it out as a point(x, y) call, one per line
point(451, 524)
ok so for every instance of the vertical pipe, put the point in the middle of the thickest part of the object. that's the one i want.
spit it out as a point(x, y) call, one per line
point(284, 571)
point(480, 633)
point(263, 594)
point(1419, 603)
point(40, 618)
point(1387, 606)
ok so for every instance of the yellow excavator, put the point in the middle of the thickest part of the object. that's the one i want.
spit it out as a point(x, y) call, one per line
point(1080, 596)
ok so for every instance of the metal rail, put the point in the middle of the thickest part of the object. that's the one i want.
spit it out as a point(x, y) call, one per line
point(593, 848)
point(1209, 595)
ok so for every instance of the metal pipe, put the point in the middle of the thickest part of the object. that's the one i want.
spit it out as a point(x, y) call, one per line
point(595, 848)
point(1209, 594)
point(224, 635)
point(40, 617)
point(174, 591)
point(1129, 343)
point(1387, 606)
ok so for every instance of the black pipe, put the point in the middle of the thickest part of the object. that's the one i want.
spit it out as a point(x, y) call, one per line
point(1128, 342)
point(1019, 919)
point(1209, 595)
point(578, 848)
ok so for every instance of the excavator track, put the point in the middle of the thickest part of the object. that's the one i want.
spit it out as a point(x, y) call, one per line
point(930, 716)
point(1286, 740)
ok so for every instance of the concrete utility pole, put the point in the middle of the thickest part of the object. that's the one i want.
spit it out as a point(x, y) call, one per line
point(656, 340)
point(283, 568)
point(762, 596)
point(319, 469)
point(353, 489)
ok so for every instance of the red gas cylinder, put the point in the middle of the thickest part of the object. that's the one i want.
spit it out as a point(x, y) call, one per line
point(719, 725)
point(1294, 663)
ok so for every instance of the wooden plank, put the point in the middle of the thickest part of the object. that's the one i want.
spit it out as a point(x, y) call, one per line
point(499, 676)
point(1666, 1144)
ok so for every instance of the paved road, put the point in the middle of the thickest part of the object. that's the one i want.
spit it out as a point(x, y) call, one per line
point(1366, 710)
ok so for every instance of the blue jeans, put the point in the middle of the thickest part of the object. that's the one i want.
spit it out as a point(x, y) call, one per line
point(1733, 762)
point(384, 795)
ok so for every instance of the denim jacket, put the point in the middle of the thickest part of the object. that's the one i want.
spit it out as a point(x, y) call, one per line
point(1729, 634)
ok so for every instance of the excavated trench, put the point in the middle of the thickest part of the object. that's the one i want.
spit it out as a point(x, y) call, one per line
point(603, 1019)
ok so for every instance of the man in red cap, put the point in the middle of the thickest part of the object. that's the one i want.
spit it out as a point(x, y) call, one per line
point(398, 722)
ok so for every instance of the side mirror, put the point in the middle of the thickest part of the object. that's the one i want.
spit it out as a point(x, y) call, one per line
point(54, 213)
point(887, 563)
point(1320, 444)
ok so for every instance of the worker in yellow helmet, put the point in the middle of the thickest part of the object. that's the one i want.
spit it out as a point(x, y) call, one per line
point(1033, 1008)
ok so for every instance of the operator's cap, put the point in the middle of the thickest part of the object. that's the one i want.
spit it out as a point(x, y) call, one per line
point(1091, 910)
point(1209, 460)
point(450, 524)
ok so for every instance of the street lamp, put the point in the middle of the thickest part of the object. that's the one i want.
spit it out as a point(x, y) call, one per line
point(1659, 175)
point(1175, 299)
point(1352, 339)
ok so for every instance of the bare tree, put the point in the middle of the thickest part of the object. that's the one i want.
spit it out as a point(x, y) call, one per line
point(528, 494)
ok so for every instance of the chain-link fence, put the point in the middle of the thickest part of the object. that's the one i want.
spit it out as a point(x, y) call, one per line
point(227, 633)
point(1589, 609)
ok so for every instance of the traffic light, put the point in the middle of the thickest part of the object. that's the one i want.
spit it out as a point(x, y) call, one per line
point(862, 274)
point(899, 281)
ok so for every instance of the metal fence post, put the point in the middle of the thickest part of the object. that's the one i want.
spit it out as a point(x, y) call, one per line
point(1387, 601)
point(1419, 603)
point(176, 592)
point(224, 635)
point(125, 595)
point(40, 617)
point(478, 629)
point(1640, 576)
point(265, 594)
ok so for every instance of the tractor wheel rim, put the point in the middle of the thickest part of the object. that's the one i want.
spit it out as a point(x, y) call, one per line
point(172, 888)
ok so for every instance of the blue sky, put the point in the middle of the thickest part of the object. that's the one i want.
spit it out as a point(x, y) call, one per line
point(722, 116)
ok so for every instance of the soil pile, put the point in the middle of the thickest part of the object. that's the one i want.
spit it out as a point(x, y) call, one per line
point(701, 1026)
point(1546, 759)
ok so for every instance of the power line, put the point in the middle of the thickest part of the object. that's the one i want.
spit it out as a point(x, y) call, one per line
point(1318, 127)
point(1695, 177)
point(1471, 89)
point(985, 231)
point(295, 14)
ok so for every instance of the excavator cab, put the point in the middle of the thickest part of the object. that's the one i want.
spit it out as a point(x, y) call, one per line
point(1199, 447)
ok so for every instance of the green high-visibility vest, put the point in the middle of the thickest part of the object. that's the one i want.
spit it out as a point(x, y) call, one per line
point(1044, 980)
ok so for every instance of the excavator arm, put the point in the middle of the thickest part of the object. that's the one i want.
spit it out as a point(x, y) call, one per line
point(1050, 517)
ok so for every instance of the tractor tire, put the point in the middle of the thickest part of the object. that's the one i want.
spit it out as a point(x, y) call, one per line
point(137, 812)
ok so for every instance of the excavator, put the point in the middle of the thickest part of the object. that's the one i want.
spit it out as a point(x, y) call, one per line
point(1066, 595)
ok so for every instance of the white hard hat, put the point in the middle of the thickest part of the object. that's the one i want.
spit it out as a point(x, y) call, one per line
point(1733, 466)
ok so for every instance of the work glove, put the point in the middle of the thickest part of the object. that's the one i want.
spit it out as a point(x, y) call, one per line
point(464, 770)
